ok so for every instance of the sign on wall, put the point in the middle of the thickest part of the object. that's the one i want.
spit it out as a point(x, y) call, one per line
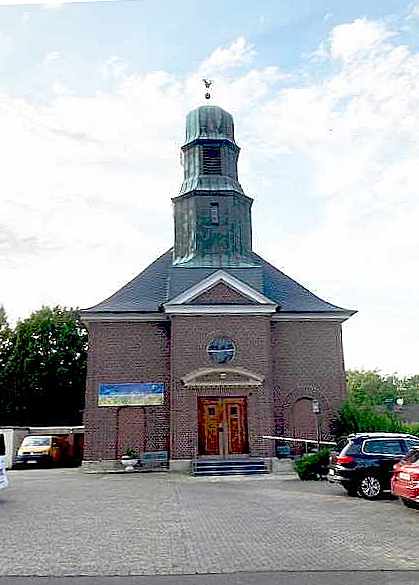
point(131, 394)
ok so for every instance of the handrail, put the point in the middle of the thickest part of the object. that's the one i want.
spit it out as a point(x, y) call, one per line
point(294, 440)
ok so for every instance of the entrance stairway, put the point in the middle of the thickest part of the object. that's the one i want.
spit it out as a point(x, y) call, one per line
point(239, 466)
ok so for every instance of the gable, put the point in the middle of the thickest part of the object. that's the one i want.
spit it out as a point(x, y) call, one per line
point(221, 294)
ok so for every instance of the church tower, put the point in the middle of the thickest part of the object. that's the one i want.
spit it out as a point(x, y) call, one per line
point(213, 224)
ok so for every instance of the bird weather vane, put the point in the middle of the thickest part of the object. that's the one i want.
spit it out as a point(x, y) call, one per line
point(207, 83)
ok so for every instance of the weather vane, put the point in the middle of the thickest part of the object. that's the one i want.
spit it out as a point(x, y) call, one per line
point(207, 83)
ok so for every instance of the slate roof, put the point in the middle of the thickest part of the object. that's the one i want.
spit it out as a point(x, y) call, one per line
point(161, 281)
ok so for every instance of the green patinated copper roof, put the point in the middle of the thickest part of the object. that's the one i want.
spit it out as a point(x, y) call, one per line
point(210, 122)
point(214, 183)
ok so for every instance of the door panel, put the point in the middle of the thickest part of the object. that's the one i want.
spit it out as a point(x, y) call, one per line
point(235, 410)
point(222, 426)
point(209, 426)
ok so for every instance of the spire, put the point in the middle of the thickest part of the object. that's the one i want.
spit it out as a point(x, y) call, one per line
point(212, 213)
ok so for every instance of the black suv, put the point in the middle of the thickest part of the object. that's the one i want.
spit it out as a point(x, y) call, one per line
point(363, 463)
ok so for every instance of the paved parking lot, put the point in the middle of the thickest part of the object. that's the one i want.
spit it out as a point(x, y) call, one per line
point(62, 522)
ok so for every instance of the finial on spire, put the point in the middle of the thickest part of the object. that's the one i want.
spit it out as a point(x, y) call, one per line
point(207, 83)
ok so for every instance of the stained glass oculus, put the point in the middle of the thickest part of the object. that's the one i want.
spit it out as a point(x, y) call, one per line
point(221, 350)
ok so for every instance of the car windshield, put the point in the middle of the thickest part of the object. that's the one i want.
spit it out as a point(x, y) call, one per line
point(36, 441)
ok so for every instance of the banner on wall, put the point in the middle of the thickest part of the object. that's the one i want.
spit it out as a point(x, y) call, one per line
point(131, 394)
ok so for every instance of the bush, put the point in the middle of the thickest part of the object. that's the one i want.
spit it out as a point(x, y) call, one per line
point(313, 465)
point(354, 418)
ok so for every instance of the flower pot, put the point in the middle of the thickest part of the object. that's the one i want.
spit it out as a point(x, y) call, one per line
point(129, 463)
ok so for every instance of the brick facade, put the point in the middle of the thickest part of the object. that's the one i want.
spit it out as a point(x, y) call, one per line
point(298, 361)
point(190, 337)
point(222, 294)
point(126, 352)
point(307, 362)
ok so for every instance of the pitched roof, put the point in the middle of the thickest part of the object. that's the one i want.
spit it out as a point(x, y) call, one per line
point(161, 281)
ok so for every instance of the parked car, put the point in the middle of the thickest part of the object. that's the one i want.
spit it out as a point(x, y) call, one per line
point(363, 464)
point(3, 474)
point(50, 450)
point(405, 480)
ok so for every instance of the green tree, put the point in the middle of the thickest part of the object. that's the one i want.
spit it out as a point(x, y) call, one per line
point(45, 369)
point(368, 394)
point(5, 349)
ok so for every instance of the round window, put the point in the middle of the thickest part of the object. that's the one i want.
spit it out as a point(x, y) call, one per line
point(221, 350)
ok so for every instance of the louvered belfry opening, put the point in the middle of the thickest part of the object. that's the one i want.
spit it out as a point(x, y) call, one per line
point(211, 160)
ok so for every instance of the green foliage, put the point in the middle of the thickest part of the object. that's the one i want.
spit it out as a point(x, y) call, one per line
point(44, 367)
point(368, 395)
point(131, 453)
point(354, 418)
point(369, 388)
point(313, 465)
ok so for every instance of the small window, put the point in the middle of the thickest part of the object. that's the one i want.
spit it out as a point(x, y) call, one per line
point(383, 447)
point(211, 160)
point(211, 411)
point(233, 411)
point(215, 219)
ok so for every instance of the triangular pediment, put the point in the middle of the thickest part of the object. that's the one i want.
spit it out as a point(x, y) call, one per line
point(221, 288)
point(222, 294)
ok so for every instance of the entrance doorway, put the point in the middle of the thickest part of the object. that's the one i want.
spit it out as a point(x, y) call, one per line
point(222, 426)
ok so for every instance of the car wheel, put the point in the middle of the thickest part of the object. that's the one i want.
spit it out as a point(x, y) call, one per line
point(410, 503)
point(370, 487)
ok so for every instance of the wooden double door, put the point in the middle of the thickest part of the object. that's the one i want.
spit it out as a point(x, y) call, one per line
point(222, 426)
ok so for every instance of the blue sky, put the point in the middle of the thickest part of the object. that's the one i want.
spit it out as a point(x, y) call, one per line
point(148, 36)
point(93, 97)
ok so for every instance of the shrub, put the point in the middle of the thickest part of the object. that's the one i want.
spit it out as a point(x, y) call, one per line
point(354, 418)
point(313, 465)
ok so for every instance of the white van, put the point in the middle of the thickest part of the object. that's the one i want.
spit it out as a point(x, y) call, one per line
point(3, 476)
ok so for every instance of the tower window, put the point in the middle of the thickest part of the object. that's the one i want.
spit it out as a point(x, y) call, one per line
point(211, 160)
point(215, 219)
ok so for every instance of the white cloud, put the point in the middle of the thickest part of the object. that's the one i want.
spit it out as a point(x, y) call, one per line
point(52, 57)
point(414, 13)
point(239, 53)
point(354, 39)
point(86, 184)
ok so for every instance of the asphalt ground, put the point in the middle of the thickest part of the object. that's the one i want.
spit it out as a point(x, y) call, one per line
point(168, 528)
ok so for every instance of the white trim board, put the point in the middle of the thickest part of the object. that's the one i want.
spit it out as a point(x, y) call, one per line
point(343, 316)
point(90, 317)
point(220, 309)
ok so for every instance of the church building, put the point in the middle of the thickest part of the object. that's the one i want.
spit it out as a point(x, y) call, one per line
point(210, 348)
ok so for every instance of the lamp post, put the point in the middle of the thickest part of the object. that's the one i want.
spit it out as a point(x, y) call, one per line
point(316, 412)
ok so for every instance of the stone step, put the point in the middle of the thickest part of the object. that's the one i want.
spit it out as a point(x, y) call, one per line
point(228, 472)
point(239, 466)
point(230, 462)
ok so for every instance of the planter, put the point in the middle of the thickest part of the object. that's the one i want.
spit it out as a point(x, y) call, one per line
point(129, 463)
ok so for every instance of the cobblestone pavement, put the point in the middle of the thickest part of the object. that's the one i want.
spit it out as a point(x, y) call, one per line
point(63, 522)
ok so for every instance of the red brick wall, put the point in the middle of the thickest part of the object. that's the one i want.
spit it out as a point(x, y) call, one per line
point(190, 337)
point(126, 352)
point(221, 294)
point(298, 360)
point(307, 361)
